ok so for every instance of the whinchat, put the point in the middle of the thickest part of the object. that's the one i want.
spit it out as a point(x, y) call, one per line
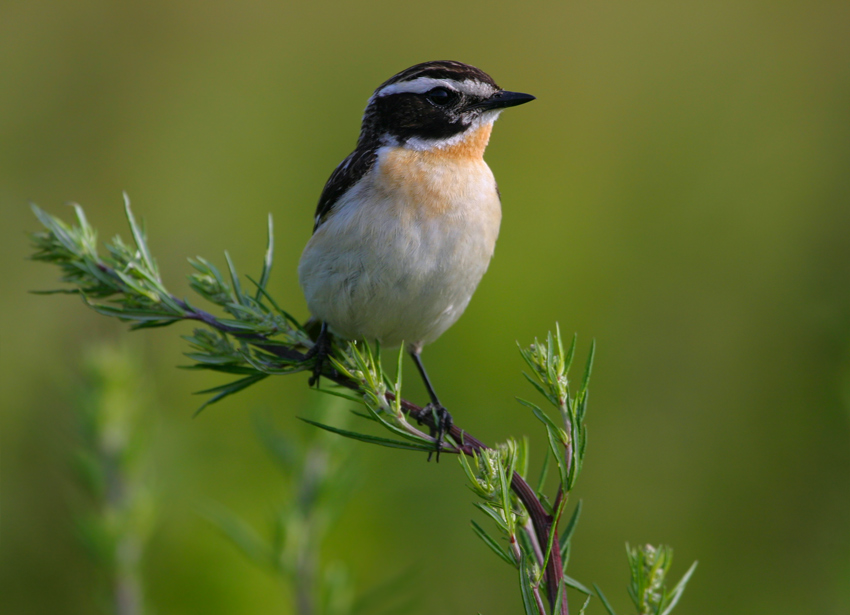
point(407, 223)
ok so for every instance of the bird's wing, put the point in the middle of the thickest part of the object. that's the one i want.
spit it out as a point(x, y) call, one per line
point(349, 172)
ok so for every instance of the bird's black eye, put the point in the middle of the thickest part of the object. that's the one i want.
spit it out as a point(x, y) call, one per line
point(439, 96)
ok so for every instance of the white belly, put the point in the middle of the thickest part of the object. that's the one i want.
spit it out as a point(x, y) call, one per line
point(399, 258)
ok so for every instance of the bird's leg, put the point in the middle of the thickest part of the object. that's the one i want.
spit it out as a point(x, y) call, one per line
point(319, 353)
point(442, 418)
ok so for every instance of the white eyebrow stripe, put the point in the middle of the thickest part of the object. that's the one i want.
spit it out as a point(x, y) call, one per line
point(421, 85)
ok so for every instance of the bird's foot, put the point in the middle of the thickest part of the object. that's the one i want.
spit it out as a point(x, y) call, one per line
point(441, 426)
point(319, 354)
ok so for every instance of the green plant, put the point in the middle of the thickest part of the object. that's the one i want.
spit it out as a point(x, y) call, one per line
point(113, 469)
point(319, 475)
point(257, 339)
point(649, 567)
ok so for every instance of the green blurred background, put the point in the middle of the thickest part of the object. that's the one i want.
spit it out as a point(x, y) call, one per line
point(680, 191)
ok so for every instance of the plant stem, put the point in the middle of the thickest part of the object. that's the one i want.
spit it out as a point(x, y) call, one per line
point(542, 521)
point(469, 445)
point(528, 528)
point(539, 601)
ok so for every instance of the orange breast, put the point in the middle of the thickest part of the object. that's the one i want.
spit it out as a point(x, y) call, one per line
point(428, 183)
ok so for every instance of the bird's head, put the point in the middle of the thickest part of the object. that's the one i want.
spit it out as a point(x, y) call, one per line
point(434, 104)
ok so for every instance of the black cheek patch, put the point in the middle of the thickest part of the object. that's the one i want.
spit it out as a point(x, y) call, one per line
point(406, 116)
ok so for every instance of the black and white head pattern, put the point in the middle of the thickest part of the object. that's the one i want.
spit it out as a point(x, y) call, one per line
point(424, 106)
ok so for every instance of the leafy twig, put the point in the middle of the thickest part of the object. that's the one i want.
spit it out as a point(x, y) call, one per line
point(255, 338)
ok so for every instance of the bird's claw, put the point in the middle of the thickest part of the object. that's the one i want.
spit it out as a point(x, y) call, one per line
point(319, 354)
point(442, 425)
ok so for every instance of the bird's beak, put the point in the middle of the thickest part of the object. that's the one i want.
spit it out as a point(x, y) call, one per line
point(503, 99)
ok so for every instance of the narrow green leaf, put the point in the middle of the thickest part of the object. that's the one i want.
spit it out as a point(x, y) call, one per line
point(371, 356)
point(238, 370)
point(58, 291)
point(110, 280)
point(506, 495)
point(493, 514)
point(583, 608)
point(541, 416)
point(228, 389)
point(127, 314)
point(467, 469)
point(130, 313)
point(234, 280)
point(134, 285)
point(398, 430)
point(207, 268)
point(270, 364)
point(209, 359)
point(525, 353)
point(371, 439)
point(81, 217)
point(634, 595)
point(348, 396)
point(560, 342)
point(267, 261)
point(139, 236)
point(580, 406)
point(541, 390)
point(568, 360)
point(589, 368)
point(45, 218)
point(522, 457)
point(559, 597)
point(604, 600)
point(555, 447)
point(491, 542)
point(152, 324)
point(171, 304)
point(88, 236)
point(397, 389)
point(529, 604)
point(570, 528)
point(226, 386)
point(237, 324)
point(679, 589)
point(529, 404)
point(568, 580)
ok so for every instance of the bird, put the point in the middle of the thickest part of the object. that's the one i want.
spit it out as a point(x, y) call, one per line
point(407, 224)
